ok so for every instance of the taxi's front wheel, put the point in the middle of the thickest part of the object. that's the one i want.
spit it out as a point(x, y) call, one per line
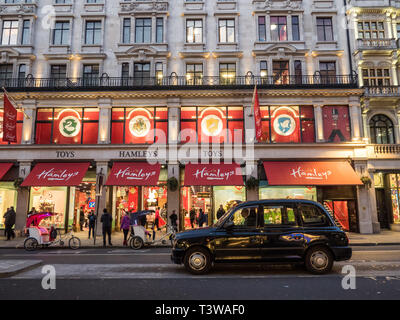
point(198, 260)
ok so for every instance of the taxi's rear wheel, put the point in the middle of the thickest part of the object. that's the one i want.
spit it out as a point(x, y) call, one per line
point(198, 260)
point(319, 260)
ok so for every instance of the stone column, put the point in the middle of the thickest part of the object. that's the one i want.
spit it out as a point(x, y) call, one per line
point(101, 193)
point(28, 126)
point(365, 111)
point(249, 123)
point(251, 170)
point(319, 124)
point(397, 126)
point(105, 109)
point(22, 208)
point(355, 118)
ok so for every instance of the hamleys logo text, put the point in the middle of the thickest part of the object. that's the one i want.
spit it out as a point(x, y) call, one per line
point(57, 175)
point(134, 175)
point(312, 174)
point(213, 174)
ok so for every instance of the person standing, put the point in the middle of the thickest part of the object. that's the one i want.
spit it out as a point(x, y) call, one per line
point(157, 219)
point(106, 220)
point(81, 218)
point(92, 223)
point(192, 215)
point(201, 218)
point(173, 217)
point(33, 211)
point(9, 221)
point(220, 212)
point(125, 225)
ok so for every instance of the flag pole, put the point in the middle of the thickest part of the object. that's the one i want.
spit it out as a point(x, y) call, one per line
point(15, 103)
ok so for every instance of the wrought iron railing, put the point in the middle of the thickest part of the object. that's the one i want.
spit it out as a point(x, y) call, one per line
point(126, 83)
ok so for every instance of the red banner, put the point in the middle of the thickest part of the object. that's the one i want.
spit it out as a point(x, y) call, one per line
point(56, 174)
point(213, 175)
point(134, 174)
point(9, 121)
point(257, 116)
point(310, 173)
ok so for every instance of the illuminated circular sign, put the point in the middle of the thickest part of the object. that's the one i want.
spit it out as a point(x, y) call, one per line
point(69, 126)
point(211, 125)
point(139, 126)
point(284, 125)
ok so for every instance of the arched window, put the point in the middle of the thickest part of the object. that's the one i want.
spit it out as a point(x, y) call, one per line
point(381, 129)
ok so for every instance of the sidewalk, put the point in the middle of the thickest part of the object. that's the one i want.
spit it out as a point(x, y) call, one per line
point(386, 237)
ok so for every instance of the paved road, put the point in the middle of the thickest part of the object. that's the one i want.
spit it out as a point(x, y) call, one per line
point(149, 274)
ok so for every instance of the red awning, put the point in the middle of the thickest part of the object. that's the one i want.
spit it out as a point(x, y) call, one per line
point(4, 167)
point(310, 173)
point(56, 174)
point(134, 174)
point(213, 175)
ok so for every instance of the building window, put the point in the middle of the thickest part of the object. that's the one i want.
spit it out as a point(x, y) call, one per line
point(226, 29)
point(376, 77)
point(58, 74)
point(67, 125)
point(26, 25)
point(278, 29)
point(159, 30)
point(22, 71)
point(381, 130)
point(10, 32)
point(159, 72)
point(295, 28)
point(141, 73)
point(264, 72)
point(93, 32)
point(143, 30)
point(126, 32)
point(212, 125)
point(194, 31)
point(125, 70)
point(336, 123)
point(6, 72)
point(288, 124)
point(227, 73)
point(324, 29)
point(371, 30)
point(194, 73)
point(328, 72)
point(61, 33)
point(91, 73)
point(298, 72)
point(139, 125)
point(262, 32)
point(280, 72)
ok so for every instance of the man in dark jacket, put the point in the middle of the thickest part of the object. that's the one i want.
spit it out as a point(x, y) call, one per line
point(92, 223)
point(192, 216)
point(173, 217)
point(82, 218)
point(9, 221)
point(220, 212)
point(106, 220)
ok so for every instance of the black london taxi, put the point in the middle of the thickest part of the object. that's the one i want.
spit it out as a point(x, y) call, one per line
point(283, 230)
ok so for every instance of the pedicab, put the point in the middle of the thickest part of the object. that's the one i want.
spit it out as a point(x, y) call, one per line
point(139, 236)
point(44, 237)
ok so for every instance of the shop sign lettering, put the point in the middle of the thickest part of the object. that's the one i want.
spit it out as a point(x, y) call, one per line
point(65, 154)
point(57, 175)
point(135, 174)
point(213, 154)
point(313, 174)
point(213, 174)
point(138, 154)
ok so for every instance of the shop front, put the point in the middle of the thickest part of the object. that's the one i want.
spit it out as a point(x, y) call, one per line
point(8, 193)
point(138, 186)
point(63, 189)
point(329, 182)
point(206, 187)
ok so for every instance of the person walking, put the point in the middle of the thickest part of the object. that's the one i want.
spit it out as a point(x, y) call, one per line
point(192, 215)
point(157, 219)
point(201, 218)
point(174, 218)
point(9, 221)
point(106, 220)
point(125, 225)
point(220, 212)
point(81, 218)
point(92, 223)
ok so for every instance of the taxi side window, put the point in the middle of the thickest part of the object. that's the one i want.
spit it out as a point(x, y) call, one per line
point(313, 216)
point(245, 217)
point(279, 215)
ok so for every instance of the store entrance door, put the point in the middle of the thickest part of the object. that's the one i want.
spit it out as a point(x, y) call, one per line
point(381, 207)
point(345, 213)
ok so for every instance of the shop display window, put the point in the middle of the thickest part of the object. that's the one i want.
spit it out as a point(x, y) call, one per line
point(288, 124)
point(307, 193)
point(20, 120)
point(139, 125)
point(336, 122)
point(67, 125)
point(395, 196)
point(8, 198)
point(212, 125)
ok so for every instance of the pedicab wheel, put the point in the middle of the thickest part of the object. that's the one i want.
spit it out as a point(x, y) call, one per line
point(197, 260)
point(74, 243)
point(31, 244)
point(136, 243)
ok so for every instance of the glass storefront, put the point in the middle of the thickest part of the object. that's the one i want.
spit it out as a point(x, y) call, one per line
point(8, 198)
point(308, 193)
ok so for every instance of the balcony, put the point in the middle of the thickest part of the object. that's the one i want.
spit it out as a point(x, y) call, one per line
point(382, 149)
point(376, 44)
point(381, 92)
point(102, 83)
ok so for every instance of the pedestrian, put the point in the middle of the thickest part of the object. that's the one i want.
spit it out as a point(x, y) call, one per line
point(33, 211)
point(125, 224)
point(192, 215)
point(106, 220)
point(220, 212)
point(173, 217)
point(157, 218)
point(201, 218)
point(92, 223)
point(81, 217)
point(9, 221)
point(5, 231)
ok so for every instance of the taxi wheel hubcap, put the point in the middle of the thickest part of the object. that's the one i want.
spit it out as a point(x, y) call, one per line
point(319, 260)
point(197, 261)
